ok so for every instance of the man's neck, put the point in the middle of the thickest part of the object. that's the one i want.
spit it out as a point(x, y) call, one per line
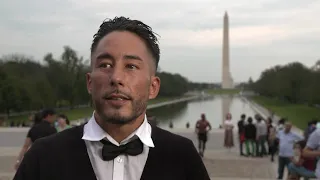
point(120, 131)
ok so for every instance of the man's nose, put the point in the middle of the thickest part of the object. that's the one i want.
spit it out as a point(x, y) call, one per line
point(117, 76)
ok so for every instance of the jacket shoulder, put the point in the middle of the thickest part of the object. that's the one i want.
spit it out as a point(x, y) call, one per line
point(164, 137)
point(66, 138)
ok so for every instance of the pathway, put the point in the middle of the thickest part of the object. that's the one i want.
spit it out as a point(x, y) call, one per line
point(225, 164)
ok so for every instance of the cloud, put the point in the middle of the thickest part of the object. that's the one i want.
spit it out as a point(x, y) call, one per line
point(263, 33)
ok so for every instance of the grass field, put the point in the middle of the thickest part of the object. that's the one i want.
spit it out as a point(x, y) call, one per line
point(74, 114)
point(298, 114)
point(223, 91)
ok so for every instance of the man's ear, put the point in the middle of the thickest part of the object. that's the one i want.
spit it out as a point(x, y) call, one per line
point(88, 80)
point(154, 87)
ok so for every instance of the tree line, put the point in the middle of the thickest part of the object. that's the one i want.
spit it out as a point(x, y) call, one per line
point(27, 85)
point(293, 82)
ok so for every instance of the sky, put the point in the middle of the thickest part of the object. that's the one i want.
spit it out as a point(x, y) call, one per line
point(263, 33)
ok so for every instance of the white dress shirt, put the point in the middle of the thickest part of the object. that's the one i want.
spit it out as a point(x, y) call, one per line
point(123, 167)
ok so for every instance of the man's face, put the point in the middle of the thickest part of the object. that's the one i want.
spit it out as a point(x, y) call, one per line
point(122, 78)
point(52, 118)
point(287, 127)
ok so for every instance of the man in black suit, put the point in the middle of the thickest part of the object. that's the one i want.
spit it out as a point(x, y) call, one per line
point(117, 143)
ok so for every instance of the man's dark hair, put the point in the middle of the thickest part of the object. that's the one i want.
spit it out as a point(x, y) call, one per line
point(282, 121)
point(47, 112)
point(37, 118)
point(135, 26)
point(250, 120)
point(243, 116)
point(314, 121)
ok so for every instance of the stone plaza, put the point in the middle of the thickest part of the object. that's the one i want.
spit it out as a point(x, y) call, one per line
point(221, 164)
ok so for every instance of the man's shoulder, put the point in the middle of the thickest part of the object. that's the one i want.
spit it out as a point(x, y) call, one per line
point(317, 131)
point(162, 136)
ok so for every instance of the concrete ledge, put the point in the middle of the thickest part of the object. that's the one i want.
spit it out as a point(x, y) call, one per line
point(235, 178)
point(191, 130)
point(14, 129)
point(151, 106)
point(9, 151)
point(6, 176)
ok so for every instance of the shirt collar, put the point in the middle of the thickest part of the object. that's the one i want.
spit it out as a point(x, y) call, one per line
point(93, 132)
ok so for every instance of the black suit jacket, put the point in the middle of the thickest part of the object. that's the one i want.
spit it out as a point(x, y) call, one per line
point(64, 156)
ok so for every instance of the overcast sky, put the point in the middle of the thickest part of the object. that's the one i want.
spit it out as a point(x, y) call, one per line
point(263, 33)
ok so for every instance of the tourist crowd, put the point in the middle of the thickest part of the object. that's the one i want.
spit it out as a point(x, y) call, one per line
point(264, 138)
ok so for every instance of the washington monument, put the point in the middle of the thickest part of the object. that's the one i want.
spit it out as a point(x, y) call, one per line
point(227, 81)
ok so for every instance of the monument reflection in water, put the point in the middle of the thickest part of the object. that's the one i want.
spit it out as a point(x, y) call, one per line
point(226, 103)
point(189, 112)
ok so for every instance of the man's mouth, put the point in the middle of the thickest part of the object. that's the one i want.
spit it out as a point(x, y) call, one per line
point(119, 97)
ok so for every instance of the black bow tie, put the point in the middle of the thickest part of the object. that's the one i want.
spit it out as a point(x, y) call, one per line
point(111, 151)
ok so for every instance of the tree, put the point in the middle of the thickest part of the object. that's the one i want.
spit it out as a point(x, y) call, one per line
point(293, 82)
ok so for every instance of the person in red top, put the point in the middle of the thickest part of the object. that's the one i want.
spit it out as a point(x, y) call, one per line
point(202, 128)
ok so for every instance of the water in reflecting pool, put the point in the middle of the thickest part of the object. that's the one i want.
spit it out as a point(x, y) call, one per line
point(215, 109)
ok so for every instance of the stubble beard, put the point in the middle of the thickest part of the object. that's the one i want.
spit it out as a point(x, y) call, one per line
point(138, 107)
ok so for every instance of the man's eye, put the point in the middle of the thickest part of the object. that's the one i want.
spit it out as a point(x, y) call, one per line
point(131, 66)
point(104, 65)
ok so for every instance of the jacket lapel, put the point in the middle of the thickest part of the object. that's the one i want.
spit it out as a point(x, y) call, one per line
point(152, 163)
point(82, 168)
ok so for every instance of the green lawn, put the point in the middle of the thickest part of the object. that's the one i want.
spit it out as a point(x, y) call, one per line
point(78, 113)
point(223, 91)
point(298, 114)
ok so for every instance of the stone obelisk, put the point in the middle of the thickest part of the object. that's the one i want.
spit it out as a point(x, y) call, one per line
point(227, 82)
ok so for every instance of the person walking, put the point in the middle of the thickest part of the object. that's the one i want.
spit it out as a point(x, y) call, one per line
point(202, 128)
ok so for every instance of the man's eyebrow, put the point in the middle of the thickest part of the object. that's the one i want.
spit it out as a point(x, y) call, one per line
point(104, 56)
point(132, 57)
point(109, 56)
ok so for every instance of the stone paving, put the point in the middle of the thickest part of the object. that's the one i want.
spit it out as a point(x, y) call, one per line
point(221, 164)
point(227, 164)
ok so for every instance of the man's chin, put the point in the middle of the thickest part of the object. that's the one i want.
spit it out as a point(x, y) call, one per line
point(119, 122)
point(118, 118)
